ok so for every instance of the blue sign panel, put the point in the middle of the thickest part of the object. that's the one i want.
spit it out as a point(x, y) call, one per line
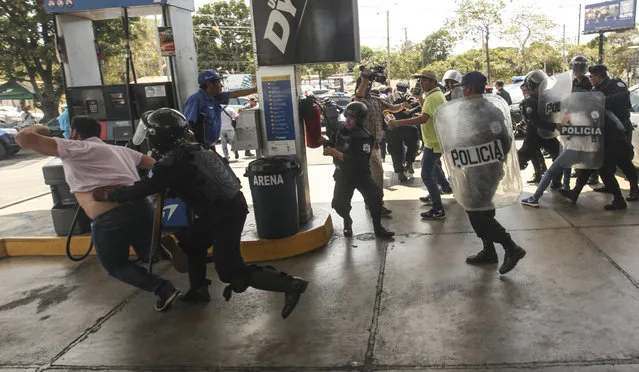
point(70, 6)
point(609, 16)
point(278, 108)
point(174, 213)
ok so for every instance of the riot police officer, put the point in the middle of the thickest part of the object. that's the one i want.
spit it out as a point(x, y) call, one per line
point(452, 81)
point(211, 190)
point(579, 67)
point(533, 142)
point(618, 150)
point(477, 145)
point(351, 153)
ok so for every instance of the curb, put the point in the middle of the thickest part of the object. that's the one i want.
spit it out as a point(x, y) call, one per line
point(252, 250)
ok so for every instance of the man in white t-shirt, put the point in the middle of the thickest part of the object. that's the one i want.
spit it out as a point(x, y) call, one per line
point(90, 164)
point(227, 135)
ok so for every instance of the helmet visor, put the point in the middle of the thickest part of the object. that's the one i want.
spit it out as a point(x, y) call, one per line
point(140, 133)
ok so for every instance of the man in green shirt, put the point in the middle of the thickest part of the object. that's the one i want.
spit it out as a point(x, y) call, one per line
point(431, 172)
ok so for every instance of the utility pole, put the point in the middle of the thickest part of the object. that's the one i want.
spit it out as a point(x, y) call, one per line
point(564, 48)
point(579, 25)
point(388, 66)
point(405, 38)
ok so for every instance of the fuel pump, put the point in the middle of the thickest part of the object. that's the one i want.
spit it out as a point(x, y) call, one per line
point(118, 107)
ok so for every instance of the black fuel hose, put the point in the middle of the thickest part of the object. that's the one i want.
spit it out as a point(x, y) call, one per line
point(70, 235)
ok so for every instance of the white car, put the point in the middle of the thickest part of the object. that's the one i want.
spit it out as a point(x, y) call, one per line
point(10, 115)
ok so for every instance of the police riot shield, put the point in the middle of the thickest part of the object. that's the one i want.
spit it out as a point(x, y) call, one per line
point(478, 147)
point(581, 130)
point(551, 93)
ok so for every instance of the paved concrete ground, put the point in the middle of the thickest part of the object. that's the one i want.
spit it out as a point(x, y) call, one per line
point(409, 304)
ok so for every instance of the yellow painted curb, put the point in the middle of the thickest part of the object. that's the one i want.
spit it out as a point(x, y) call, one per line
point(252, 250)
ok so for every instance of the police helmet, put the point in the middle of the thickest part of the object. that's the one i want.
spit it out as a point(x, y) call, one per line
point(166, 129)
point(357, 111)
point(453, 75)
point(533, 79)
point(579, 64)
point(402, 87)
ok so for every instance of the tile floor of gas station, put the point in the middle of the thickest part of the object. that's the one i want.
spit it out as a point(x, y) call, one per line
point(408, 304)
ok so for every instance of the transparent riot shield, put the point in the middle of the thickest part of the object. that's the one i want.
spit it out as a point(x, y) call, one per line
point(478, 147)
point(551, 93)
point(581, 130)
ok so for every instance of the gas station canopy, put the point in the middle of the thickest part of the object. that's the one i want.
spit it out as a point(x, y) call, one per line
point(110, 9)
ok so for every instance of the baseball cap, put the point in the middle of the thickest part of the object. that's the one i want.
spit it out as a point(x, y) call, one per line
point(474, 78)
point(426, 74)
point(207, 75)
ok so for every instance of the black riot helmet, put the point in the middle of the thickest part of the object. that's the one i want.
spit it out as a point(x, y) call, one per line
point(579, 64)
point(357, 111)
point(533, 79)
point(166, 129)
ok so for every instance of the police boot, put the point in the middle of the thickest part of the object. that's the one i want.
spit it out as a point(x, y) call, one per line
point(268, 279)
point(486, 256)
point(616, 205)
point(514, 253)
point(536, 179)
point(348, 227)
point(401, 176)
point(381, 232)
point(198, 294)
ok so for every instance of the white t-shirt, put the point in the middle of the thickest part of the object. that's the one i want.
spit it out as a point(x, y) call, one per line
point(91, 163)
point(226, 119)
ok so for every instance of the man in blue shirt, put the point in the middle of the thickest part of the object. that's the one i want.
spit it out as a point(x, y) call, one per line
point(203, 109)
point(64, 122)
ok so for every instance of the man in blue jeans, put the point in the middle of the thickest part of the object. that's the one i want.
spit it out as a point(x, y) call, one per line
point(432, 174)
point(90, 164)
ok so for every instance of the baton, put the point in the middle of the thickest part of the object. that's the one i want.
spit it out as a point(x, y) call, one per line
point(157, 228)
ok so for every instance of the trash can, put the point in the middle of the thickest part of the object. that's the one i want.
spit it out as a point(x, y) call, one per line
point(274, 189)
point(64, 203)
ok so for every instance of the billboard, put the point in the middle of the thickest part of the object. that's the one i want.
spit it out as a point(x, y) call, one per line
point(289, 32)
point(609, 16)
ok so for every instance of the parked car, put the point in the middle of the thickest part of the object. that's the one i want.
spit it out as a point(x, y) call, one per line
point(8, 145)
point(341, 99)
point(10, 115)
point(54, 127)
point(238, 103)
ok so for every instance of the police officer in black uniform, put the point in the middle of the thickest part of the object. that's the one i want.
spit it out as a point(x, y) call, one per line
point(618, 150)
point(533, 141)
point(211, 190)
point(579, 67)
point(481, 182)
point(581, 83)
point(351, 151)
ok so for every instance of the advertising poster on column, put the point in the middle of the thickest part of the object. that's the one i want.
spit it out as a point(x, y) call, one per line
point(278, 114)
point(290, 32)
point(167, 43)
point(609, 16)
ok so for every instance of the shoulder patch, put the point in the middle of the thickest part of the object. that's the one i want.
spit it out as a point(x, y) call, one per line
point(366, 148)
point(621, 84)
point(529, 110)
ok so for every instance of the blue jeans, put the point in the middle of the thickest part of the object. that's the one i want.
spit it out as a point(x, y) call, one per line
point(431, 174)
point(555, 170)
point(113, 232)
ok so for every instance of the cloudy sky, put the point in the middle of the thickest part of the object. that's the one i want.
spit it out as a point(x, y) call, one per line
point(418, 18)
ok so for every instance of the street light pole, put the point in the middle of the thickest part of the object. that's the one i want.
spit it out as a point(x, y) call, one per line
point(579, 25)
point(388, 68)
